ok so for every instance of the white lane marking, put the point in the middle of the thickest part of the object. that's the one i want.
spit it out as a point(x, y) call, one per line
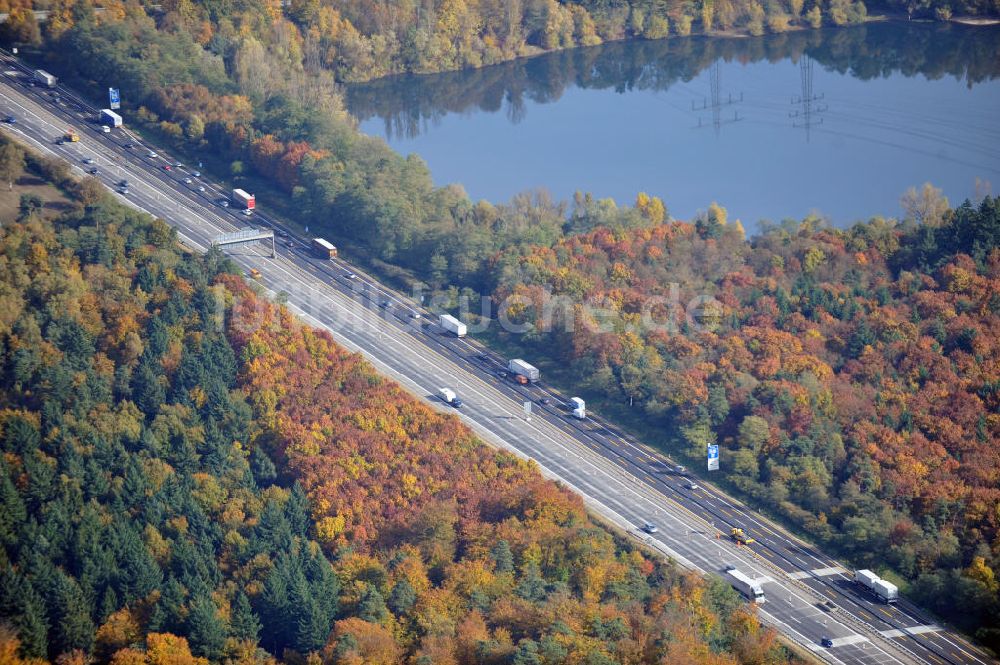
point(913, 630)
point(850, 639)
point(817, 572)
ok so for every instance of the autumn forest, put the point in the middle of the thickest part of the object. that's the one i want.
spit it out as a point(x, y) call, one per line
point(190, 474)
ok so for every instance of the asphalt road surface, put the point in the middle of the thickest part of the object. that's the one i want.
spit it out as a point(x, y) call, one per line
point(809, 595)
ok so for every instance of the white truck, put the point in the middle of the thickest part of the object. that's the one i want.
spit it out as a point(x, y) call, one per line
point(748, 586)
point(579, 407)
point(244, 200)
point(110, 118)
point(324, 249)
point(522, 371)
point(449, 397)
point(453, 325)
point(885, 591)
point(42, 77)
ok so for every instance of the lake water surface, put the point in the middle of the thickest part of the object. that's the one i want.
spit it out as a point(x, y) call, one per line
point(836, 121)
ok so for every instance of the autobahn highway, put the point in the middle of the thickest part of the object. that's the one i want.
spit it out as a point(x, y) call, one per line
point(810, 595)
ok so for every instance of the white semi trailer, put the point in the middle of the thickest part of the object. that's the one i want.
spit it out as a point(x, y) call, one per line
point(110, 118)
point(453, 325)
point(885, 591)
point(42, 77)
point(244, 199)
point(748, 586)
point(518, 367)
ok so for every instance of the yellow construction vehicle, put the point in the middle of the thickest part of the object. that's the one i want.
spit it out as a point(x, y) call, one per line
point(71, 136)
point(254, 273)
point(740, 537)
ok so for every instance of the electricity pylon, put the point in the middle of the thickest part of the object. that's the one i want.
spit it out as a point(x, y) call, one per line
point(717, 104)
point(809, 109)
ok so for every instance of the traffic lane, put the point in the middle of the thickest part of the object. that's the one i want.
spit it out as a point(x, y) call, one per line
point(842, 591)
point(629, 461)
point(362, 286)
point(777, 538)
point(74, 152)
point(36, 120)
point(945, 641)
point(77, 163)
point(640, 454)
point(152, 169)
point(115, 143)
point(201, 200)
point(631, 458)
point(366, 294)
point(921, 618)
point(846, 600)
point(731, 517)
point(897, 617)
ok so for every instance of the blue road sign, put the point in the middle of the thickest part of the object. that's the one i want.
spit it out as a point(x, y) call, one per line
point(713, 457)
point(114, 99)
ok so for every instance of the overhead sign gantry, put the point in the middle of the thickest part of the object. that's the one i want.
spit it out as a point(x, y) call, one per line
point(245, 237)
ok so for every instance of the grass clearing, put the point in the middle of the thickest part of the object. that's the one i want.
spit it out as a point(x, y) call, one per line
point(54, 201)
